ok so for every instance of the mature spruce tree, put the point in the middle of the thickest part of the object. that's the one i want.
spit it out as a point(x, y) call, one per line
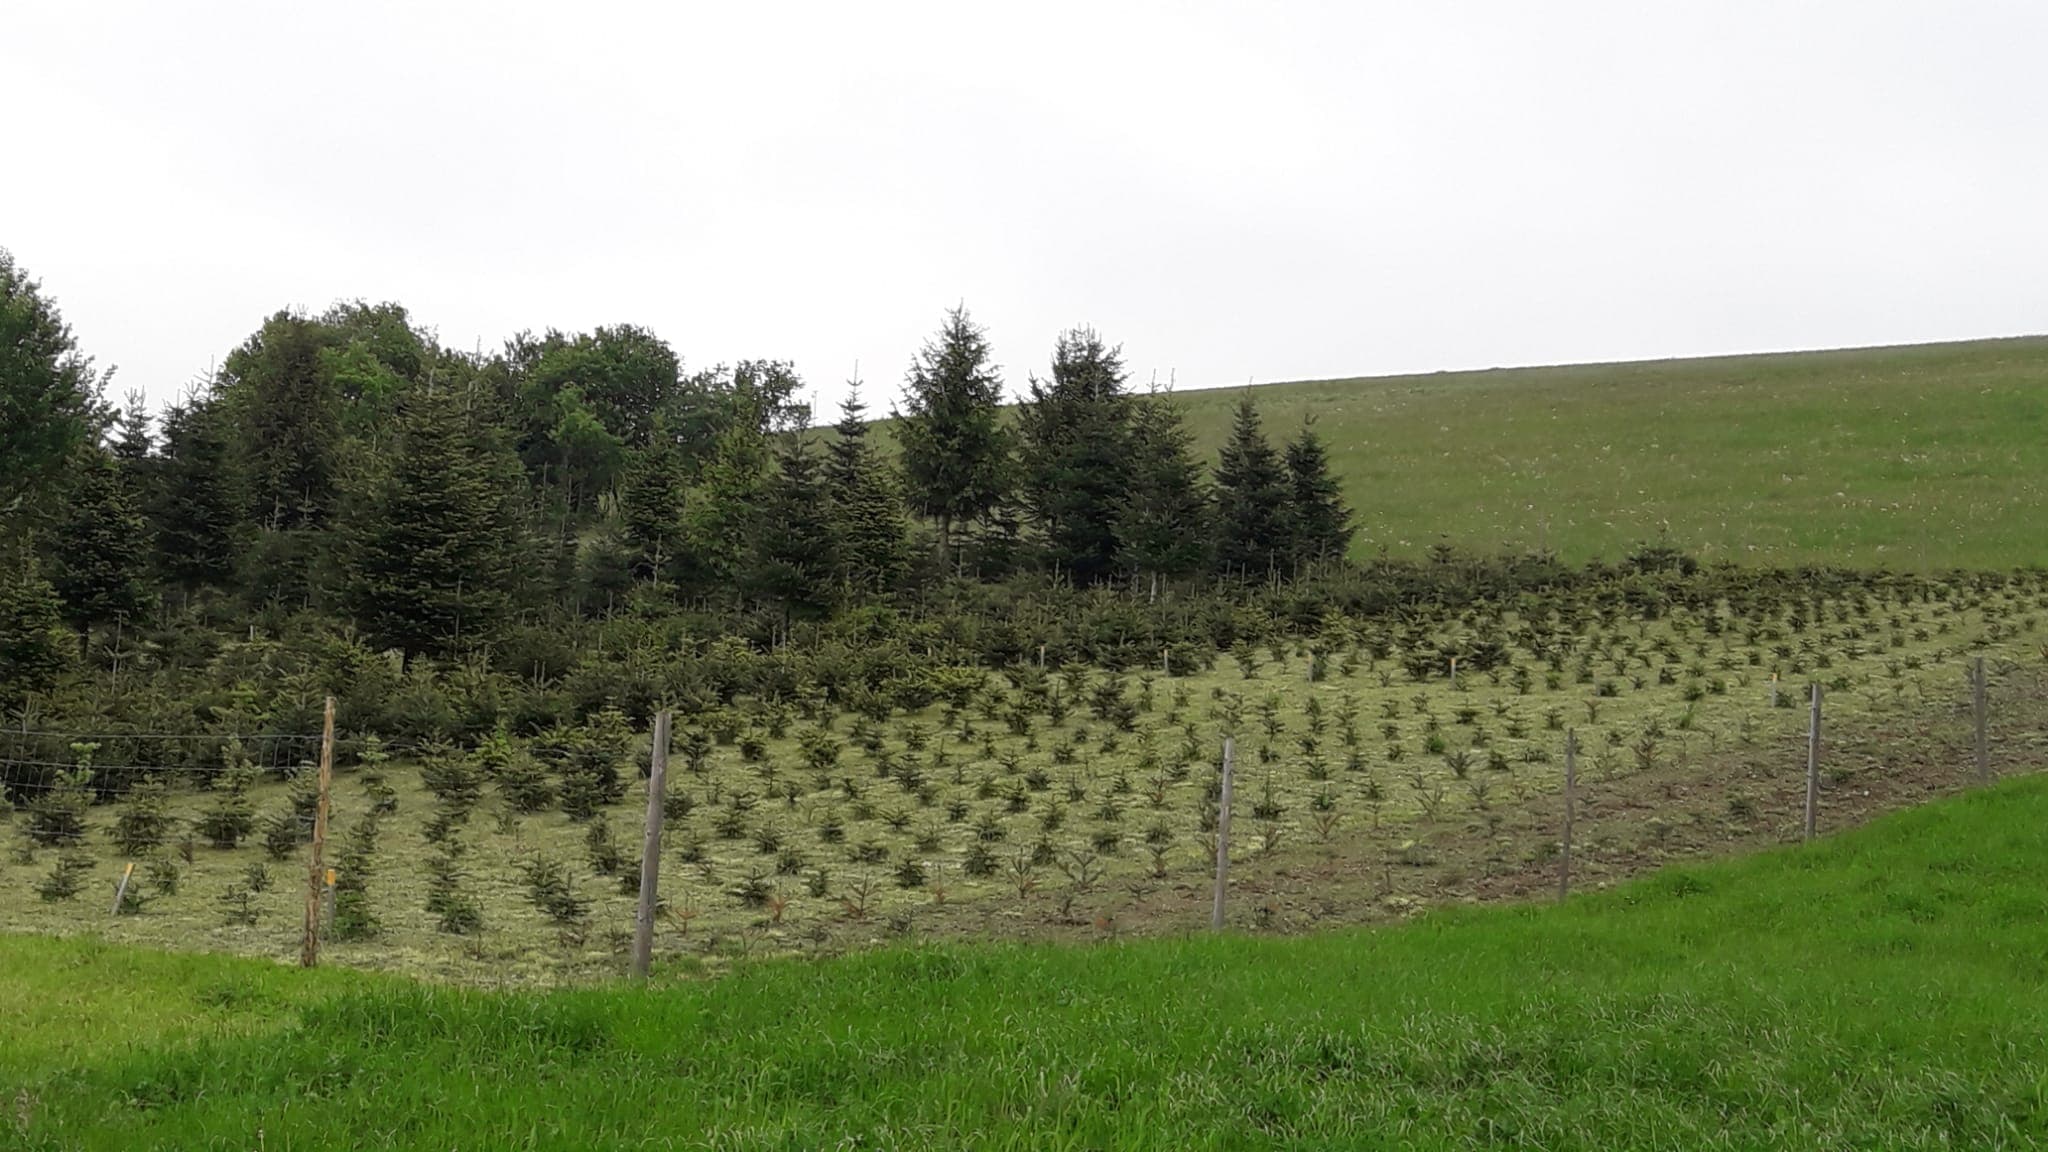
point(719, 516)
point(99, 546)
point(1074, 455)
point(793, 562)
point(427, 554)
point(1251, 498)
point(49, 393)
point(1319, 525)
point(34, 650)
point(288, 423)
point(1162, 524)
point(651, 503)
point(956, 452)
point(866, 505)
point(193, 511)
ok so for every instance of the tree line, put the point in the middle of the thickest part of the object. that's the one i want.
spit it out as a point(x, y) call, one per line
point(345, 464)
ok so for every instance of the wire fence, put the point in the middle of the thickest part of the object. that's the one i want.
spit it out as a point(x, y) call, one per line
point(773, 855)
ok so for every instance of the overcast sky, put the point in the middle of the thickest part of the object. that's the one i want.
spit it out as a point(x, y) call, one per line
point(1233, 192)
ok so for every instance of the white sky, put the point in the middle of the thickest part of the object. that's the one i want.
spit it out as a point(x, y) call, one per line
point(1232, 191)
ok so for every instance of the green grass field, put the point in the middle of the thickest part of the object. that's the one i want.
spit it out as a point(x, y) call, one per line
point(1886, 989)
point(1921, 457)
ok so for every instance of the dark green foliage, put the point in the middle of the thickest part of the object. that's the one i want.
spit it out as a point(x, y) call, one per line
point(1251, 499)
point(145, 820)
point(193, 507)
point(524, 783)
point(455, 778)
point(67, 877)
point(99, 547)
point(866, 502)
point(49, 393)
point(426, 556)
point(606, 858)
point(651, 503)
point(230, 817)
point(287, 415)
point(553, 891)
point(1074, 455)
point(1318, 525)
point(456, 912)
point(1162, 524)
point(57, 815)
point(590, 761)
point(956, 452)
point(793, 564)
point(354, 866)
point(163, 875)
point(33, 648)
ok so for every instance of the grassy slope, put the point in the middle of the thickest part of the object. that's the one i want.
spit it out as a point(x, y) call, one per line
point(1918, 457)
point(1885, 989)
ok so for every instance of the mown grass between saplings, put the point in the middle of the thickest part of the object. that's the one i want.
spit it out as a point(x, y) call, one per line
point(1884, 989)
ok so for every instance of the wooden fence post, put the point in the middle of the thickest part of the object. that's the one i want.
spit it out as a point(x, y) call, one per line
point(1223, 836)
point(1571, 787)
point(1983, 712)
point(650, 848)
point(1812, 763)
point(316, 873)
point(121, 889)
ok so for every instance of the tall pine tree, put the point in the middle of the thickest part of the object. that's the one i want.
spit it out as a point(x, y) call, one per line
point(1251, 499)
point(49, 393)
point(651, 508)
point(1318, 523)
point(33, 648)
point(1162, 524)
point(427, 553)
point(1074, 455)
point(866, 504)
point(956, 452)
point(193, 511)
point(793, 546)
point(99, 546)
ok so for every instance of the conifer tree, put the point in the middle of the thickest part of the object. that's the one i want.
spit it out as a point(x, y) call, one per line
point(651, 508)
point(192, 512)
point(1162, 523)
point(427, 554)
point(718, 519)
point(793, 548)
point(1251, 498)
point(33, 648)
point(288, 423)
point(354, 918)
point(1074, 454)
point(49, 393)
point(100, 552)
point(1319, 525)
point(956, 452)
point(866, 504)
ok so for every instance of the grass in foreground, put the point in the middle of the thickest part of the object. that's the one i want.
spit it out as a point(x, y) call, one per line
point(1922, 457)
point(1888, 989)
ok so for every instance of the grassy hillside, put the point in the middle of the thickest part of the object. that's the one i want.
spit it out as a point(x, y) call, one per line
point(1887, 989)
point(1917, 457)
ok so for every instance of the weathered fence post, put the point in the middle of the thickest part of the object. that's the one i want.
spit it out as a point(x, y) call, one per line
point(1812, 763)
point(121, 889)
point(1223, 835)
point(650, 848)
point(1983, 712)
point(1774, 689)
point(316, 873)
point(1571, 788)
